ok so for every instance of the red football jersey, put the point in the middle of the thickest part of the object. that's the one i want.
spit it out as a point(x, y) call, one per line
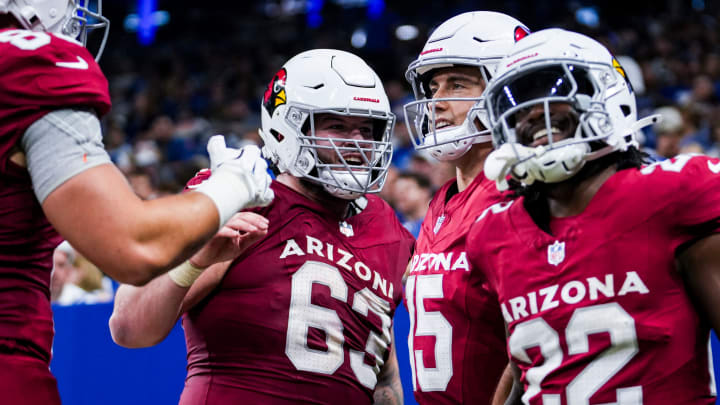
point(40, 72)
point(597, 313)
point(457, 338)
point(305, 315)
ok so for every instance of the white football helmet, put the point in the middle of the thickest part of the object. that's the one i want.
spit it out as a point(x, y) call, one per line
point(551, 66)
point(72, 18)
point(479, 38)
point(323, 81)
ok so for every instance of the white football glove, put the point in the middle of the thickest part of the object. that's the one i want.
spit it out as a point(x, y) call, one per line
point(238, 179)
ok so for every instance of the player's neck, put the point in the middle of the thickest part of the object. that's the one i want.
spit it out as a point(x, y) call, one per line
point(471, 164)
point(572, 197)
point(316, 193)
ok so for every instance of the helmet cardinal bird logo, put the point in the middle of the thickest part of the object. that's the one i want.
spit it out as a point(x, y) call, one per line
point(275, 93)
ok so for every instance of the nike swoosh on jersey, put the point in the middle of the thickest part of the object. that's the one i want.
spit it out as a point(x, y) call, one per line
point(715, 168)
point(80, 64)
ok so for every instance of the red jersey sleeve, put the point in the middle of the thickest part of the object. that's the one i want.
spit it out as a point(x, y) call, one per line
point(42, 72)
point(687, 187)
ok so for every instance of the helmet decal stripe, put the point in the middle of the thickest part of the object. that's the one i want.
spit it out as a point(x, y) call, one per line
point(521, 32)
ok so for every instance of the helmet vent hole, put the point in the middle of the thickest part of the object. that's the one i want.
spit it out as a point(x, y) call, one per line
point(277, 135)
point(626, 110)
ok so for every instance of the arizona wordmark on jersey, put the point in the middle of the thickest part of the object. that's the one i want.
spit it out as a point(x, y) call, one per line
point(455, 323)
point(342, 259)
point(597, 312)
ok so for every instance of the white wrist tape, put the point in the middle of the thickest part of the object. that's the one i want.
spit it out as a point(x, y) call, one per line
point(228, 191)
point(185, 274)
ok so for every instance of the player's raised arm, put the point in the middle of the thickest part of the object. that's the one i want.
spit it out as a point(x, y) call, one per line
point(143, 316)
point(130, 239)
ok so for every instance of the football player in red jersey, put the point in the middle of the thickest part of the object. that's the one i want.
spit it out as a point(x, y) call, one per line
point(609, 267)
point(58, 182)
point(454, 322)
point(303, 315)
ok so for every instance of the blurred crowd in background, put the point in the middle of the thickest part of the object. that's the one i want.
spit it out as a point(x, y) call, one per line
point(206, 68)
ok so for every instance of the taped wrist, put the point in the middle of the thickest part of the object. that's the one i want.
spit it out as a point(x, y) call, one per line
point(228, 191)
point(185, 274)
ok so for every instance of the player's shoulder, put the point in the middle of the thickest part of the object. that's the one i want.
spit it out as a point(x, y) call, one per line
point(372, 205)
point(438, 199)
point(681, 166)
point(379, 212)
point(669, 178)
point(375, 204)
point(49, 70)
point(37, 48)
point(494, 219)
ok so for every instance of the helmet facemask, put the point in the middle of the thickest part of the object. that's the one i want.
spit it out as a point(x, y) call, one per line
point(85, 20)
point(540, 86)
point(445, 143)
point(346, 168)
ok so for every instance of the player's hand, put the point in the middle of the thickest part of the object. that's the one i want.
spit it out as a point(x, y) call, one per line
point(246, 163)
point(238, 179)
point(241, 231)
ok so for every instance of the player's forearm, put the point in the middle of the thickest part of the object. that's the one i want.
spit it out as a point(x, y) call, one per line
point(515, 397)
point(144, 316)
point(517, 391)
point(389, 393)
point(388, 390)
point(153, 240)
point(504, 387)
point(129, 239)
point(172, 229)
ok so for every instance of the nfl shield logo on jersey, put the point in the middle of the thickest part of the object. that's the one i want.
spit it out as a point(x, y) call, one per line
point(346, 229)
point(438, 223)
point(556, 253)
